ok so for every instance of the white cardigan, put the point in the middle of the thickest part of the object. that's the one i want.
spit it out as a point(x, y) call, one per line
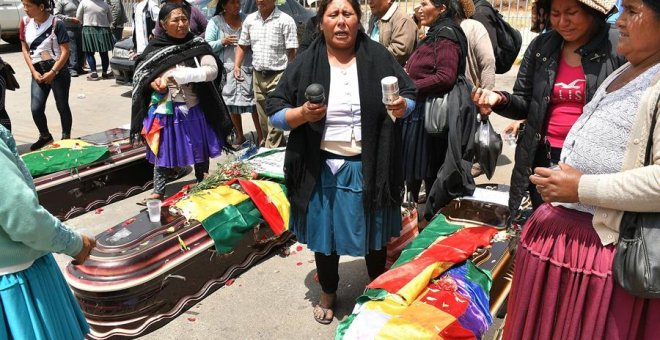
point(636, 187)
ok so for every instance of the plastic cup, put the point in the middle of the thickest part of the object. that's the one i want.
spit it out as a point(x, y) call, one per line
point(153, 208)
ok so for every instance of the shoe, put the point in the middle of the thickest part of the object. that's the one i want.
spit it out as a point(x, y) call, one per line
point(66, 136)
point(108, 75)
point(41, 142)
point(93, 77)
point(74, 73)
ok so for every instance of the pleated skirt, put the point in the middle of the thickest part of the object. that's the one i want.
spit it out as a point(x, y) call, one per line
point(185, 138)
point(422, 153)
point(38, 304)
point(97, 39)
point(563, 286)
point(336, 221)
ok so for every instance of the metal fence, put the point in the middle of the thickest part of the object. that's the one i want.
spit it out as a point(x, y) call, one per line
point(516, 12)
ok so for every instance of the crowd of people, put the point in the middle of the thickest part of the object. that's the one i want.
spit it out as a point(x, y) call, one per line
point(585, 100)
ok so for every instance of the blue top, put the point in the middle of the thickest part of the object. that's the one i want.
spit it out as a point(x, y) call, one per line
point(27, 230)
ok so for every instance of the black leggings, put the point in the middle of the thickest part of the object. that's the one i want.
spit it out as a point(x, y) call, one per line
point(327, 267)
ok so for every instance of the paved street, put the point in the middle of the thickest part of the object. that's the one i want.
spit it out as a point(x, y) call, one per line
point(272, 300)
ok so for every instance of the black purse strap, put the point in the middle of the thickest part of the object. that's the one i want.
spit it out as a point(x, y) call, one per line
point(649, 145)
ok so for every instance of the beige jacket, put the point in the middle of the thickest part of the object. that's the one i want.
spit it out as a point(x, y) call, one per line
point(398, 32)
point(636, 187)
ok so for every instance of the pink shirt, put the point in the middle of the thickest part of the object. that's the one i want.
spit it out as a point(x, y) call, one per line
point(566, 102)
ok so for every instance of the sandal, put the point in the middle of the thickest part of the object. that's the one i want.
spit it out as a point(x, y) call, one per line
point(321, 312)
point(323, 319)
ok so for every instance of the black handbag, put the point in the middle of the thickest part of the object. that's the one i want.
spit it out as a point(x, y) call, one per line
point(637, 260)
point(436, 109)
point(488, 146)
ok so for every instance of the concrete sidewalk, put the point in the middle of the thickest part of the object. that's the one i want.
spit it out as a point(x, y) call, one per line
point(272, 300)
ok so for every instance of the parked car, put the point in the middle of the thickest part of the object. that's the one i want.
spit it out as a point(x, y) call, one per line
point(11, 12)
point(123, 67)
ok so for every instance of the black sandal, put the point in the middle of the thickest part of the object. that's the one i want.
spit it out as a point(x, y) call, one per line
point(323, 320)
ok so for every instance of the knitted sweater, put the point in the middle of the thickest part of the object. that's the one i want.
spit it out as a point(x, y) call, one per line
point(27, 230)
point(636, 187)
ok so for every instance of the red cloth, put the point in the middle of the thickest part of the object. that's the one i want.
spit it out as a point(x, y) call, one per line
point(421, 63)
point(563, 286)
point(566, 102)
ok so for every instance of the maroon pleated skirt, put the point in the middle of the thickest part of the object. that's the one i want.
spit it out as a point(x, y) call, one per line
point(563, 286)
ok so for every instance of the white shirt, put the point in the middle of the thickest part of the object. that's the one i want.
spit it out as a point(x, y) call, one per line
point(49, 46)
point(343, 122)
point(269, 39)
point(140, 25)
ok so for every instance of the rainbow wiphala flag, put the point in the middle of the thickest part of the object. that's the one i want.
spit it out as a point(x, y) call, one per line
point(431, 292)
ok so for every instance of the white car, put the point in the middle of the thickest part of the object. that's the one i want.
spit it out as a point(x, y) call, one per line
point(11, 12)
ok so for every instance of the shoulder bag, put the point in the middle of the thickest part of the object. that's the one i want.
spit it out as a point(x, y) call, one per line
point(436, 108)
point(637, 260)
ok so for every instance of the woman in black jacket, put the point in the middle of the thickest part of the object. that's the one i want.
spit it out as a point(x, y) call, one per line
point(559, 74)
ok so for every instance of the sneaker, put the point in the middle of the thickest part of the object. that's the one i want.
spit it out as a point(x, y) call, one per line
point(93, 77)
point(74, 73)
point(108, 75)
point(41, 142)
point(66, 135)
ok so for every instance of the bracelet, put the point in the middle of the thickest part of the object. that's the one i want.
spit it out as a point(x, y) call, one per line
point(56, 71)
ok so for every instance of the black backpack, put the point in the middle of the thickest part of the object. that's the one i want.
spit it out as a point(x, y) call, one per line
point(506, 40)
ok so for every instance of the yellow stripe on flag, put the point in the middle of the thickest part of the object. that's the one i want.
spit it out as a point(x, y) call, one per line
point(419, 321)
point(412, 289)
point(278, 198)
point(207, 202)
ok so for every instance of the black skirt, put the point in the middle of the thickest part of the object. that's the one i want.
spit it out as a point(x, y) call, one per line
point(422, 154)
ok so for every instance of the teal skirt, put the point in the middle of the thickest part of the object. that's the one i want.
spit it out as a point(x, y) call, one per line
point(97, 39)
point(336, 221)
point(38, 304)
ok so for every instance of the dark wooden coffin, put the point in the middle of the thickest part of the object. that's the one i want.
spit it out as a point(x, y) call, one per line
point(143, 274)
point(498, 258)
point(126, 172)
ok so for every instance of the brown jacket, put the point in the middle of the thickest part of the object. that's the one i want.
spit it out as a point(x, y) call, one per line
point(398, 32)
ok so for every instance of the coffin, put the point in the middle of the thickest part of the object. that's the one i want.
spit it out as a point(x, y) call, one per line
point(432, 291)
point(124, 173)
point(143, 274)
point(489, 206)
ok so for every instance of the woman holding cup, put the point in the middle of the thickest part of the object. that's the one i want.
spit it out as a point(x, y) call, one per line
point(222, 34)
point(342, 162)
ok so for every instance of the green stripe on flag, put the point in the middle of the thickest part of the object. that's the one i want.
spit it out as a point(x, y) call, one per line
point(438, 227)
point(227, 226)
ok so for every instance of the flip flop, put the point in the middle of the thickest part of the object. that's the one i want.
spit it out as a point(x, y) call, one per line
point(323, 320)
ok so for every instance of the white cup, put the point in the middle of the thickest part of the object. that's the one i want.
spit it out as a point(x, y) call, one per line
point(153, 207)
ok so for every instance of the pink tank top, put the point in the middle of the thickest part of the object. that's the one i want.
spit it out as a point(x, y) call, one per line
point(566, 102)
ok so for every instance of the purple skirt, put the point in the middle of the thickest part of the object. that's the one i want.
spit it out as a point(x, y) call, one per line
point(563, 286)
point(185, 138)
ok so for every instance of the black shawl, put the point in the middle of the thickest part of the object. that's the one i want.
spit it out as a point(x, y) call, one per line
point(454, 178)
point(381, 138)
point(163, 53)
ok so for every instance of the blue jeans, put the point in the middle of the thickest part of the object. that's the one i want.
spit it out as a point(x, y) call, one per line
point(40, 92)
point(76, 54)
point(105, 61)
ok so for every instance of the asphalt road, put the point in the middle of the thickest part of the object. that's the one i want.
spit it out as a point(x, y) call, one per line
point(273, 299)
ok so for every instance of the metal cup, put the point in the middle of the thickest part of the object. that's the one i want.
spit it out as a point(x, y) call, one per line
point(390, 87)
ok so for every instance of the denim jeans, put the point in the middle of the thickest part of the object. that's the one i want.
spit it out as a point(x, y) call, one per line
point(105, 61)
point(76, 54)
point(40, 92)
